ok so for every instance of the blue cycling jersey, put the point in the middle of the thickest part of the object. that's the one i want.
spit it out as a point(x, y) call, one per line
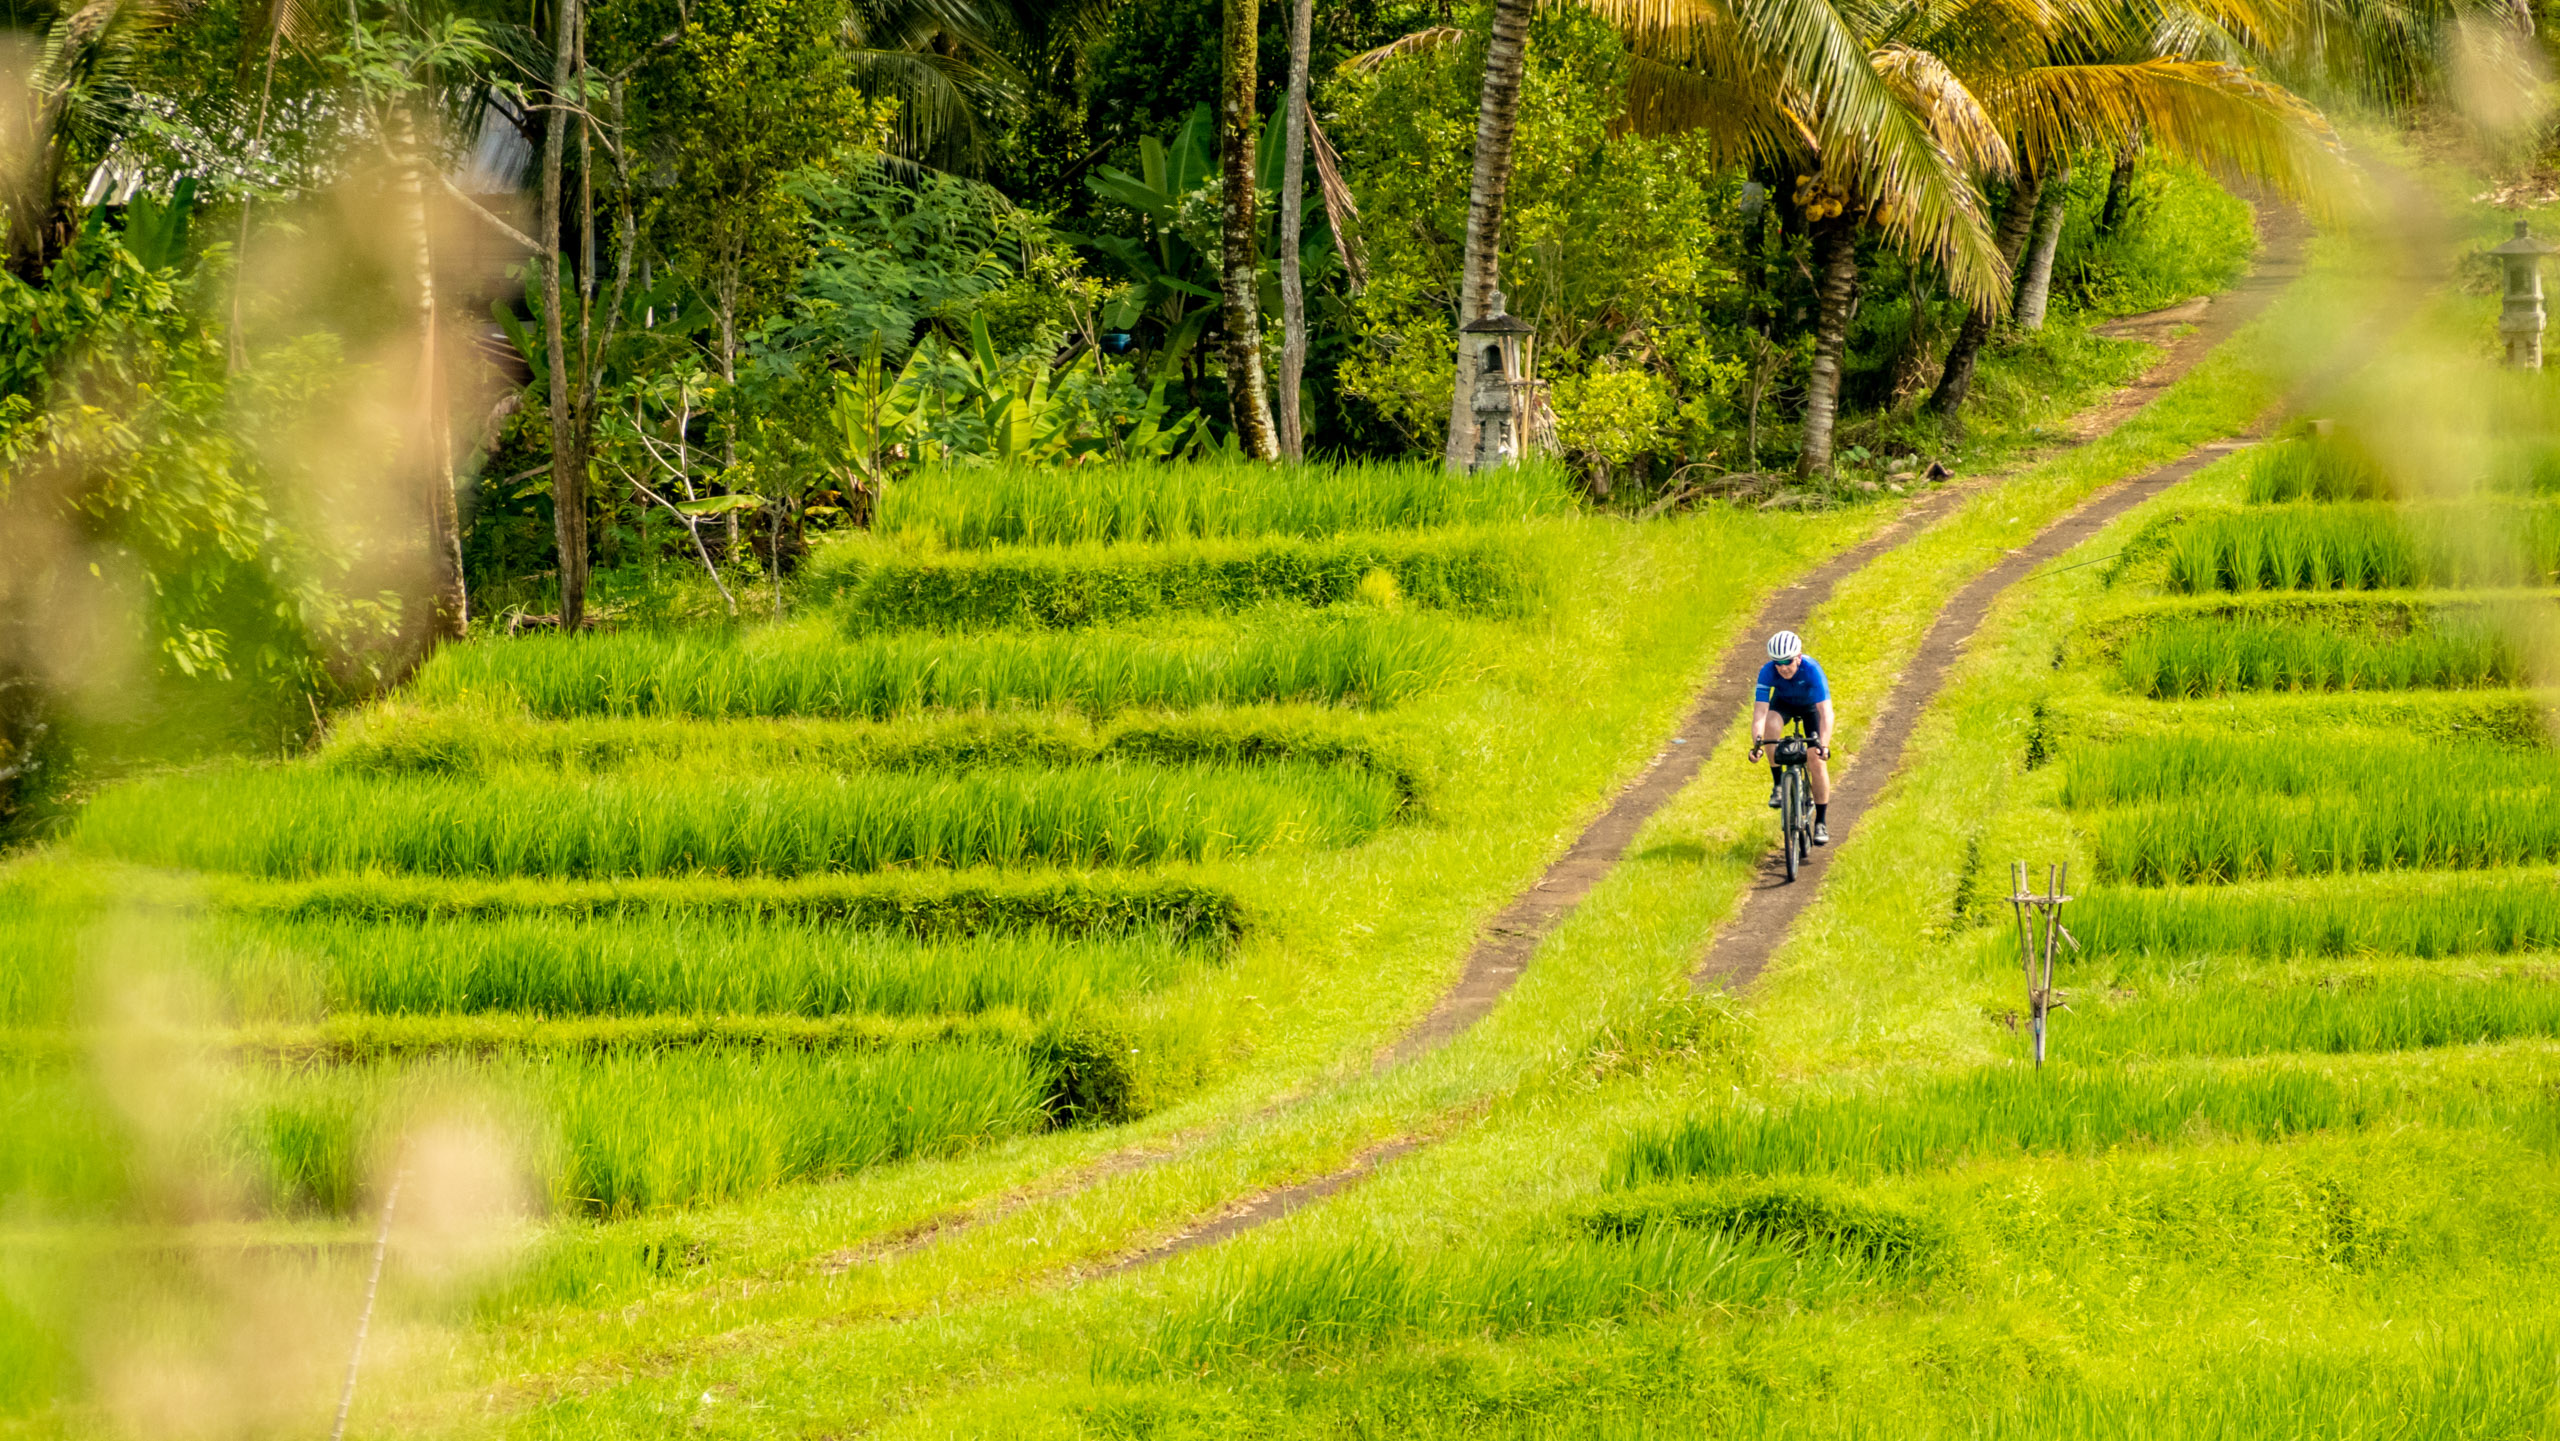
point(1802, 691)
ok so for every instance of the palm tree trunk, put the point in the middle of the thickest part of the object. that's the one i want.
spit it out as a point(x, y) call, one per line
point(568, 440)
point(1835, 270)
point(2035, 277)
point(1238, 135)
point(2119, 186)
point(1293, 207)
point(2017, 216)
point(448, 606)
point(1497, 115)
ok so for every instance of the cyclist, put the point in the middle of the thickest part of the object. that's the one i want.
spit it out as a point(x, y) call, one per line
point(1791, 688)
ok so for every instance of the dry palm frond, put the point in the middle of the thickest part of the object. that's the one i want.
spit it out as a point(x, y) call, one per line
point(1739, 117)
point(1341, 211)
point(2215, 114)
point(1370, 61)
point(1956, 120)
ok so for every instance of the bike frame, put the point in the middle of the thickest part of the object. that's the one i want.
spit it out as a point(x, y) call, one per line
point(1795, 796)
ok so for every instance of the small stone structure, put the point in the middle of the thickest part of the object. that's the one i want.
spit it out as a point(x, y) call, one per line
point(2520, 316)
point(1512, 418)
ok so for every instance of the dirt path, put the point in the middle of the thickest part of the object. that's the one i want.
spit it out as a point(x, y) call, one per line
point(1744, 942)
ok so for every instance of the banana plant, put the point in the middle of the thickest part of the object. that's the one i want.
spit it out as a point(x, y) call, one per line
point(1177, 274)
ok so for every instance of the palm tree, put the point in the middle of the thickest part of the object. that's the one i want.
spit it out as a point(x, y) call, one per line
point(2199, 103)
point(1239, 140)
point(1882, 136)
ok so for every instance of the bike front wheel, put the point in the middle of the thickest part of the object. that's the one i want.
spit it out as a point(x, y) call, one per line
point(1791, 822)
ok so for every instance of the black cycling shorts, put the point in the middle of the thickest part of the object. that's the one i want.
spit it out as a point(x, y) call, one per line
point(1804, 713)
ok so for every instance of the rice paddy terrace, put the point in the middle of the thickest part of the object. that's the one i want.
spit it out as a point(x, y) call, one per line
point(1060, 821)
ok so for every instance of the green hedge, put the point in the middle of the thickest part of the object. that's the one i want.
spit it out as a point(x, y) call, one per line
point(413, 741)
point(1804, 1216)
point(922, 905)
point(1480, 571)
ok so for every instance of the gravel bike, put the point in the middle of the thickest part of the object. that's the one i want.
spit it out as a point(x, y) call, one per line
point(1795, 793)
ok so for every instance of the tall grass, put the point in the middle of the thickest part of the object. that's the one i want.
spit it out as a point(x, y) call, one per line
point(2323, 763)
point(2184, 659)
point(981, 507)
point(275, 822)
point(2314, 469)
point(2394, 1014)
point(1989, 1114)
point(2237, 836)
point(690, 965)
point(1487, 571)
point(2364, 547)
point(2421, 916)
point(1326, 1297)
point(417, 741)
point(618, 1133)
point(1352, 657)
point(927, 905)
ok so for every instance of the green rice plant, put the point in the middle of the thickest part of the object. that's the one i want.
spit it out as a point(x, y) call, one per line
point(2421, 916)
point(2314, 469)
point(681, 964)
point(625, 1132)
point(1324, 1297)
point(356, 1037)
point(294, 822)
point(2364, 547)
point(1355, 658)
point(1475, 570)
point(2355, 1014)
point(2236, 836)
point(927, 906)
point(1804, 1216)
point(976, 507)
point(2182, 659)
point(409, 740)
point(2333, 763)
point(64, 1149)
point(1986, 1115)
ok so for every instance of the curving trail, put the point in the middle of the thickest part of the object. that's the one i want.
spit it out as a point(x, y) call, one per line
point(1746, 939)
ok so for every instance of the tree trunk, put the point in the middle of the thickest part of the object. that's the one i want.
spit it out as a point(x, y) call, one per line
point(1497, 114)
point(1238, 139)
point(2119, 186)
point(568, 439)
point(2017, 216)
point(2035, 277)
point(1293, 208)
point(35, 189)
point(1835, 272)
point(448, 606)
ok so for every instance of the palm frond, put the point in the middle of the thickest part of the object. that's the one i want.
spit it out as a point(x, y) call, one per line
point(1417, 43)
point(1341, 209)
point(1956, 120)
point(2217, 115)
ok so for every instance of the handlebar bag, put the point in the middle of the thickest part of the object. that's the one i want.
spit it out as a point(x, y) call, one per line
point(1791, 751)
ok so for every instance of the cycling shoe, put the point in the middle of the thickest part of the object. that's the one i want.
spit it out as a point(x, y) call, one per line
point(1821, 833)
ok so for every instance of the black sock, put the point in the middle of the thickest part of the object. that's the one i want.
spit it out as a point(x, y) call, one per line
point(1777, 776)
point(1822, 811)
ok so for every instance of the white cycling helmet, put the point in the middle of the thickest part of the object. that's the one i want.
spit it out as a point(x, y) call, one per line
point(1785, 645)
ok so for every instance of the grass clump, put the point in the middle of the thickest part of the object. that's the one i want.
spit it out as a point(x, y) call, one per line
point(681, 964)
point(1350, 658)
point(2315, 469)
point(272, 822)
point(2184, 659)
point(978, 507)
point(470, 743)
point(1478, 571)
point(2363, 547)
point(2420, 916)
point(1803, 1216)
point(2338, 763)
point(1322, 1298)
point(2243, 837)
point(2350, 1015)
point(1986, 1115)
